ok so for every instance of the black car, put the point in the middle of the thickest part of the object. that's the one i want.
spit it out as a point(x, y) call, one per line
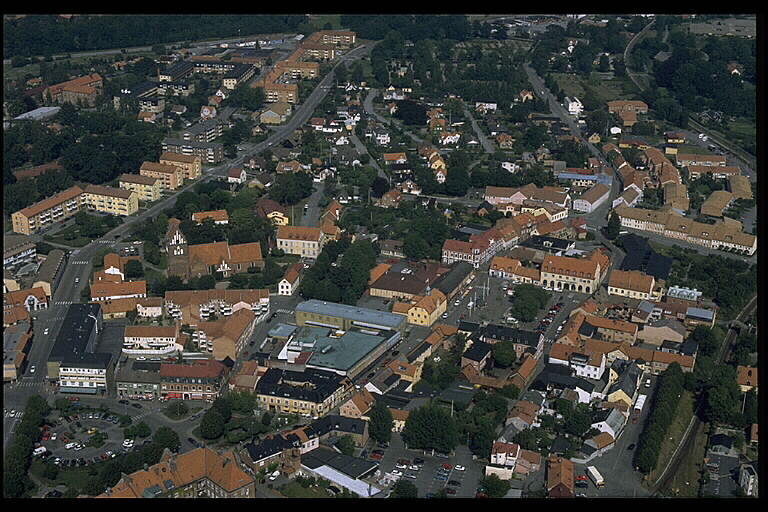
point(192, 441)
point(126, 402)
point(581, 485)
point(395, 353)
point(418, 461)
point(631, 446)
point(54, 494)
point(454, 483)
point(138, 406)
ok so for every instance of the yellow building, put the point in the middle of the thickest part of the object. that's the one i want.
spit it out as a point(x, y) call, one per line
point(306, 242)
point(45, 213)
point(170, 176)
point(423, 310)
point(147, 188)
point(111, 200)
point(192, 165)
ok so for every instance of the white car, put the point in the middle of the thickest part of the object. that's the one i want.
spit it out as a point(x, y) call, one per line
point(32, 369)
point(46, 331)
point(397, 473)
point(701, 135)
point(54, 436)
point(12, 413)
point(459, 468)
point(401, 466)
point(414, 467)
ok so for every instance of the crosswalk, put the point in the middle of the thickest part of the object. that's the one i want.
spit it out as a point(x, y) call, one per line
point(80, 262)
point(106, 241)
point(284, 311)
point(63, 302)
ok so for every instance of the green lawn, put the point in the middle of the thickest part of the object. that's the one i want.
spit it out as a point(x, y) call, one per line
point(685, 483)
point(691, 149)
point(683, 417)
point(72, 478)
point(294, 490)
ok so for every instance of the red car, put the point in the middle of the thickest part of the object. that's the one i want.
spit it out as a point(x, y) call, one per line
point(447, 466)
point(581, 477)
point(451, 491)
point(404, 462)
point(376, 456)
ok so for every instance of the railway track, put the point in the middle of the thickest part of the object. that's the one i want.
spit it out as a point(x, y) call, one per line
point(697, 425)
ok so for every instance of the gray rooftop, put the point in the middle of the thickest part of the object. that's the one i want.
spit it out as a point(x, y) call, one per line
point(338, 353)
point(353, 313)
point(699, 313)
point(39, 114)
point(282, 331)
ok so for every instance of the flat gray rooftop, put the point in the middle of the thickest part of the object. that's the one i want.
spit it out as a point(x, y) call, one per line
point(354, 313)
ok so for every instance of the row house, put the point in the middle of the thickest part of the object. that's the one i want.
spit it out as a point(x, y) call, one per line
point(83, 89)
point(18, 250)
point(717, 172)
point(477, 251)
point(576, 274)
point(512, 269)
point(740, 187)
point(50, 210)
point(633, 284)
point(193, 306)
point(147, 339)
point(639, 107)
point(200, 473)
point(225, 337)
point(721, 235)
point(220, 217)
point(590, 365)
point(197, 380)
point(176, 72)
point(686, 159)
point(106, 290)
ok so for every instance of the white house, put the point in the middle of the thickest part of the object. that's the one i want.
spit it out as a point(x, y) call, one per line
point(510, 166)
point(289, 284)
point(236, 175)
point(449, 138)
point(574, 106)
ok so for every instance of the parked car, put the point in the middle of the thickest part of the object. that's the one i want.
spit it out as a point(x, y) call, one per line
point(581, 485)
point(631, 446)
point(397, 473)
point(454, 483)
point(418, 460)
point(138, 406)
point(450, 490)
point(581, 478)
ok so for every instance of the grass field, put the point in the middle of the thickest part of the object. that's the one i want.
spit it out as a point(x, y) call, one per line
point(574, 85)
point(294, 490)
point(677, 429)
point(691, 149)
point(685, 483)
point(73, 478)
point(60, 237)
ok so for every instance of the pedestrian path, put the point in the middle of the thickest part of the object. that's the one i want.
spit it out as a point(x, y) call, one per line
point(63, 302)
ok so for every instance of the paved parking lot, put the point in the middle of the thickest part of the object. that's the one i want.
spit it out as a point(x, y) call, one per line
point(425, 480)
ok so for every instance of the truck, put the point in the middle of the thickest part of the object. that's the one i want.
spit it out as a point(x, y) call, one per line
point(595, 476)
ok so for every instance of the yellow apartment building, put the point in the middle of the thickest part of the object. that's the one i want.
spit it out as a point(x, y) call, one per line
point(50, 210)
point(114, 201)
point(192, 165)
point(171, 177)
point(148, 188)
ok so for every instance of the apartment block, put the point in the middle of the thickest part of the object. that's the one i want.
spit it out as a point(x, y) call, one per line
point(148, 188)
point(115, 201)
point(191, 165)
point(82, 90)
point(209, 152)
point(45, 213)
point(170, 176)
point(198, 380)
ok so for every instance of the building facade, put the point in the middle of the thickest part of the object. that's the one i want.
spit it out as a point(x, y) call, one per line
point(47, 212)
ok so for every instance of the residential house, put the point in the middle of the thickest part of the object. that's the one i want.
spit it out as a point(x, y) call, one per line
point(476, 356)
point(560, 477)
point(236, 175)
point(358, 404)
point(289, 284)
point(592, 198)
point(217, 216)
point(746, 378)
point(633, 284)
point(390, 199)
point(272, 210)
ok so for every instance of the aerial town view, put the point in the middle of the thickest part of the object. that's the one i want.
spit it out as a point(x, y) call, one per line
point(380, 256)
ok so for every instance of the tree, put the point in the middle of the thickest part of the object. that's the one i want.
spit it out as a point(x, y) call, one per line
point(178, 408)
point(404, 489)
point(380, 424)
point(212, 425)
point(504, 354)
point(266, 418)
point(133, 269)
point(346, 445)
point(494, 486)
point(431, 427)
point(613, 227)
